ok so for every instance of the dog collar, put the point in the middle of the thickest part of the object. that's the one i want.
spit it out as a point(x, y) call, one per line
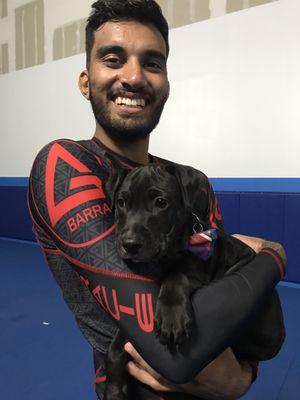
point(202, 244)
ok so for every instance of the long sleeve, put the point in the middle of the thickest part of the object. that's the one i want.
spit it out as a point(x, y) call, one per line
point(74, 220)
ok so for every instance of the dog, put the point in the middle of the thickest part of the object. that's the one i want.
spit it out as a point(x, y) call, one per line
point(157, 209)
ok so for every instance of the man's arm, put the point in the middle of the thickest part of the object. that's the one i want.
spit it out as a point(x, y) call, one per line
point(221, 311)
point(225, 378)
point(68, 204)
point(258, 245)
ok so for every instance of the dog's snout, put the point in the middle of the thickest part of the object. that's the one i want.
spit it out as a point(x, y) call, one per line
point(132, 246)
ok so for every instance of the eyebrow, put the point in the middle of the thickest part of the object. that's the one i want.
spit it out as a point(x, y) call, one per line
point(102, 51)
point(156, 54)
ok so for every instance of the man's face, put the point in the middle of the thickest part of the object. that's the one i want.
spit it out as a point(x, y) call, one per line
point(128, 83)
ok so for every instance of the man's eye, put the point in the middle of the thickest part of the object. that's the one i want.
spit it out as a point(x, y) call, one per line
point(113, 62)
point(153, 66)
point(160, 202)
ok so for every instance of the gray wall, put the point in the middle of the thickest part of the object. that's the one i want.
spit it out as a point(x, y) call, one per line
point(40, 31)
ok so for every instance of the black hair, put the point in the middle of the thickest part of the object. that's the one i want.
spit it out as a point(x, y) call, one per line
point(145, 11)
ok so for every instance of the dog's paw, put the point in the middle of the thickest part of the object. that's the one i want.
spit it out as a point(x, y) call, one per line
point(173, 324)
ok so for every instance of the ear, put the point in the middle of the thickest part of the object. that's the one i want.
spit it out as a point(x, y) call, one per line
point(177, 172)
point(84, 84)
point(113, 184)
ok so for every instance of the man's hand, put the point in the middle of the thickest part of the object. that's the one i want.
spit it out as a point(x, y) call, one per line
point(258, 244)
point(142, 371)
point(225, 378)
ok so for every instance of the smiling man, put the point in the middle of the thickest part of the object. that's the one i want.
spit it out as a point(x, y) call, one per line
point(127, 77)
point(126, 83)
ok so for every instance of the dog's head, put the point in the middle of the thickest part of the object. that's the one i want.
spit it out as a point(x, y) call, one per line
point(150, 213)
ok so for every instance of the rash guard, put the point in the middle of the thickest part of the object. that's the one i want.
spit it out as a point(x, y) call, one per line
point(74, 225)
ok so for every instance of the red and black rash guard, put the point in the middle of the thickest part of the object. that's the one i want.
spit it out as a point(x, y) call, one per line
point(74, 225)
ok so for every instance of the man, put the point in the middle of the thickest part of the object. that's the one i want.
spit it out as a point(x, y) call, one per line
point(126, 83)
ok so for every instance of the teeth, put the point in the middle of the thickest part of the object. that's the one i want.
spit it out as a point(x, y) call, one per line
point(130, 102)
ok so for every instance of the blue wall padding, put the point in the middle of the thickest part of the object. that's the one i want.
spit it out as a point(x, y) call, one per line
point(254, 184)
point(263, 215)
point(230, 209)
point(15, 220)
point(274, 216)
point(292, 235)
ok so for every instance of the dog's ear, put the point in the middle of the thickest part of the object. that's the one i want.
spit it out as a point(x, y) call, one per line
point(179, 173)
point(113, 184)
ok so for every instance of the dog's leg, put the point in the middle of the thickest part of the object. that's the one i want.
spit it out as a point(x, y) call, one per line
point(116, 374)
point(174, 313)
point(173, 316)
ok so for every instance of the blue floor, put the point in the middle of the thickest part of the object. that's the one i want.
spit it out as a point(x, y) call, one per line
point(44, 356)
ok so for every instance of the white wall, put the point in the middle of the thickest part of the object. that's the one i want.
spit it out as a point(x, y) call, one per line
point(57, 13)
point(234, 102)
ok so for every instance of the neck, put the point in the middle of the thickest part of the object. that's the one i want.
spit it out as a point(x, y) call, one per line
point(136, 151)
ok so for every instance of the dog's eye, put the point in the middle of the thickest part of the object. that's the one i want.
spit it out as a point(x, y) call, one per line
point(121, 203)
point(160, 202)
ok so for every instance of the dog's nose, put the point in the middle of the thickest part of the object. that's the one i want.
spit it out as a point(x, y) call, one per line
point(132, 246)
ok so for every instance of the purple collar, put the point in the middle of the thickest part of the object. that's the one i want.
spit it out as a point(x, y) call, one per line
point(202, 244)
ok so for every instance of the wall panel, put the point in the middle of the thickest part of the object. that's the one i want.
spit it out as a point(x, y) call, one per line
point(268, 215)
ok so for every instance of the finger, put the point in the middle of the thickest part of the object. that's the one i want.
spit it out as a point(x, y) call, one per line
point(136, 356)
point(146, 378)
point(132, 351)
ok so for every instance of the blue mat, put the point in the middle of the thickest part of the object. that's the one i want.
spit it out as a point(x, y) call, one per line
point(44, 356)
point(278, 379)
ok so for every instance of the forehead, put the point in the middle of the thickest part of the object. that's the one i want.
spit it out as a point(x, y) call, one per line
point(133, 36)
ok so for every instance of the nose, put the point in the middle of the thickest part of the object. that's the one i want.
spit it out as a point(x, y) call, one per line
point(132, 246)
point(133, 75)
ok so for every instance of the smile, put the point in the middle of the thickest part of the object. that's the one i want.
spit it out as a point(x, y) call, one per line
point(130, 102)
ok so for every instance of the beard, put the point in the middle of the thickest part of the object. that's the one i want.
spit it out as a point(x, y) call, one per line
point(125, 129)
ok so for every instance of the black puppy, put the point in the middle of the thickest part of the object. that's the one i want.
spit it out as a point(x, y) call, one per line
point(157, 208)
